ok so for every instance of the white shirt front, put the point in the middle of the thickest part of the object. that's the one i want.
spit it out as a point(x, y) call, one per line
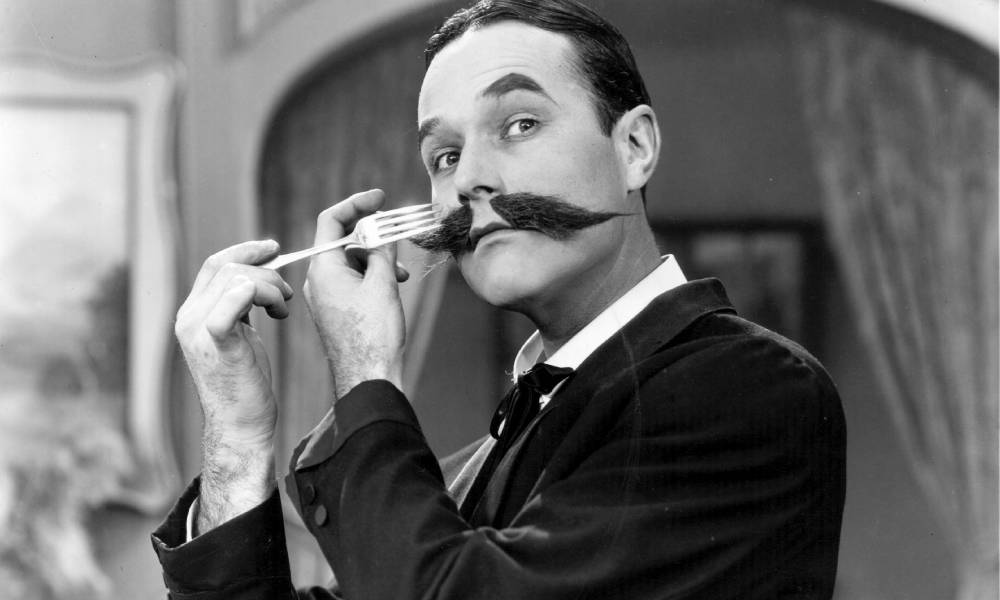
point(576, 350)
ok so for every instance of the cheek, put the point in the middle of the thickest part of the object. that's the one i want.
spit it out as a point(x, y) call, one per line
point(600, 167)
point(586, 171)
point(444, 196)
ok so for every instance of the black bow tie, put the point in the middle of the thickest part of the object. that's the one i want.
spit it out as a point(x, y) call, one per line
point(520, 405)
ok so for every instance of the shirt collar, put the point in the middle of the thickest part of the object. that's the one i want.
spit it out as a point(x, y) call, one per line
point(664, 278)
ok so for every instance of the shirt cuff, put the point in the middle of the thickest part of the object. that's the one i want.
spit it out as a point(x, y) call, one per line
point(248, 550)
point(191, 516)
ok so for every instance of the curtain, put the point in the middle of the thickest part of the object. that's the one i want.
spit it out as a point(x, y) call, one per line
point(905, 142)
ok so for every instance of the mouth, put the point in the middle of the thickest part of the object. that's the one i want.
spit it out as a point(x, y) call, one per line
point(480, 232)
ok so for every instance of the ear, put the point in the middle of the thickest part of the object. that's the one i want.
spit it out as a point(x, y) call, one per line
point(638, 139)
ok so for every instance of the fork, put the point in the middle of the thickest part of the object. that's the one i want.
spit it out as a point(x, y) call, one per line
point(372, 231)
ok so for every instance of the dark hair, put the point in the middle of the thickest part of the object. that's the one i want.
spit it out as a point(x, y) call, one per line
point(604, 59)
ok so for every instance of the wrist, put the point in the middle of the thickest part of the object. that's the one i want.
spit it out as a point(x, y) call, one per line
point(241, 422)
point(245, 456)
point(235, 478)
point(348, 374)
point(218, 505)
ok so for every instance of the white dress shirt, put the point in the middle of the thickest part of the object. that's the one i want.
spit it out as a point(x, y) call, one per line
point(576, 350)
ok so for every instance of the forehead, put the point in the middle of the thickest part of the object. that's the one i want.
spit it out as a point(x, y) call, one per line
point(468, 65)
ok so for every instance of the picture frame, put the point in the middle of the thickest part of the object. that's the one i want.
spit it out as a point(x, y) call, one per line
point(87, 181)
point(770, 269)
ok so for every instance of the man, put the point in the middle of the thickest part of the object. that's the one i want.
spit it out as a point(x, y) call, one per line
point(667, 449)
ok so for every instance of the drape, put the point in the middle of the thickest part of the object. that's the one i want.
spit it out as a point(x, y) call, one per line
point(905, 142)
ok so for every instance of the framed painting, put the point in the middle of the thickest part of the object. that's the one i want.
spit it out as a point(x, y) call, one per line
point(770, 270)
point(88, 245)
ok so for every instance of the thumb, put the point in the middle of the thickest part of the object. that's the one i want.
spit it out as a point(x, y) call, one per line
point(402, 274)
point(382, 262)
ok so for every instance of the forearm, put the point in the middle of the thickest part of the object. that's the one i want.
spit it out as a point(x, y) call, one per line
point(237, 475)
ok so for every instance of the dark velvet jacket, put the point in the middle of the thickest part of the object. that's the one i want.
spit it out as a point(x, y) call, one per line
point(693, 455)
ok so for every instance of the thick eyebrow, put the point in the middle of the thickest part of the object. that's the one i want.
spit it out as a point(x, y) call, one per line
point(426, 128)
point(512, 82)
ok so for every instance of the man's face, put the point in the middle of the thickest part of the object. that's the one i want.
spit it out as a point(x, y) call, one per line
point(503, 110)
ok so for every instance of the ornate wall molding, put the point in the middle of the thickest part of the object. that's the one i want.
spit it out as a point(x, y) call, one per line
point(102, 212)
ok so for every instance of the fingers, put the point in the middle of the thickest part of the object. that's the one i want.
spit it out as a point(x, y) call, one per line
point(334, 222)
point(357, 260)
point(272, 299)
point(232, 306)
point(401, 273)
point(248, 253)
point(382, 263)
point(272, 290)
point(232, 290)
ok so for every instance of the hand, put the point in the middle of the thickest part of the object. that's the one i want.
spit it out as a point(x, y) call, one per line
point(232, 374)
point(353, 297)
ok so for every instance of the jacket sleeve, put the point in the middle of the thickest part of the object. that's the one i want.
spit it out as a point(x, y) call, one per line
point(710, 483)
point(242, 559)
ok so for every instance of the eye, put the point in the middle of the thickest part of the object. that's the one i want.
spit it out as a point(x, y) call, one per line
point(444, 160)
point(520, 127)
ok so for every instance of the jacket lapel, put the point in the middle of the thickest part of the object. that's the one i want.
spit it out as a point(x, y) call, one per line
point(460, 470)
point(613, 364)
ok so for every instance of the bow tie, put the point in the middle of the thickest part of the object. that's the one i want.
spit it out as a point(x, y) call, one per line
point(520, 405)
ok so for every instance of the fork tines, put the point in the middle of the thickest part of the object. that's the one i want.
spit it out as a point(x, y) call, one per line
point(404, 222)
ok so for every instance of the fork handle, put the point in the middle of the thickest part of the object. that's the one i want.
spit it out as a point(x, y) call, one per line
point(285, 259)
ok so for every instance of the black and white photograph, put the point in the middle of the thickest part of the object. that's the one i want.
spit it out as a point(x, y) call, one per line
point(499, 299)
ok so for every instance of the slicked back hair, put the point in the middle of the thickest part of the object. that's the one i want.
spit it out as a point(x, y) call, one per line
point(603, 58)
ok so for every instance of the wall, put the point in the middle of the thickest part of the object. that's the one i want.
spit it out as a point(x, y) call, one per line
point(85, 32)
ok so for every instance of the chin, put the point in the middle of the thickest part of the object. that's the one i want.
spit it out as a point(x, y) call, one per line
point(506, 281)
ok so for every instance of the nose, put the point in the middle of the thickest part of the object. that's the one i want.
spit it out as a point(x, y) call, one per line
point(476, 176)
